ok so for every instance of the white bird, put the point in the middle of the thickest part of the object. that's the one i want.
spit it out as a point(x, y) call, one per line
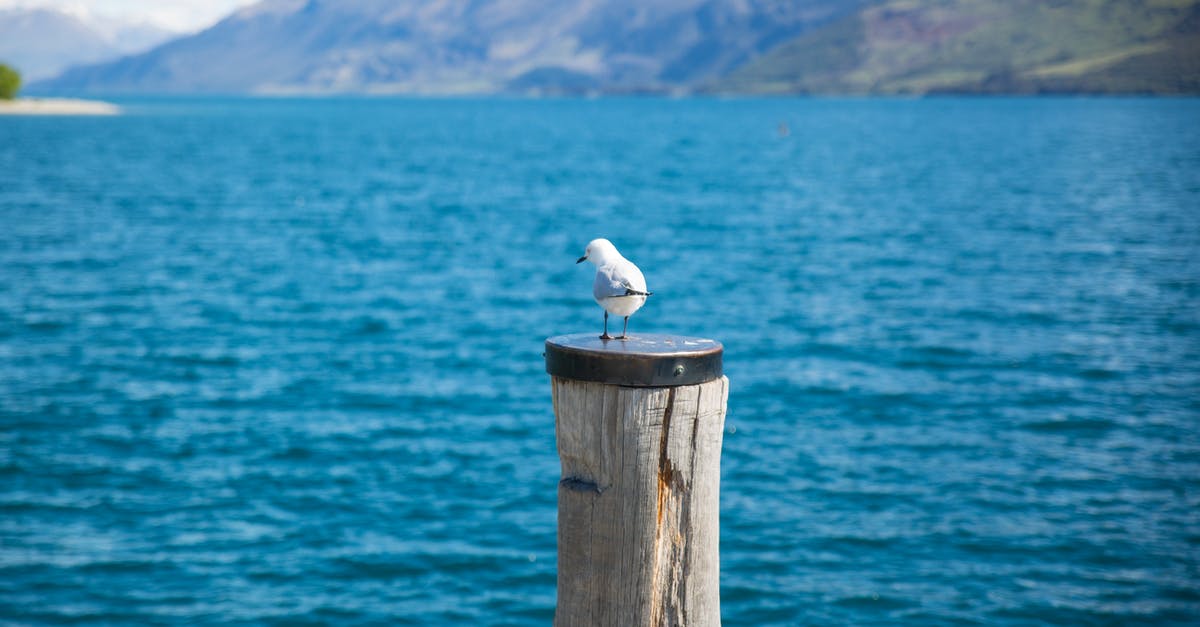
point(619, 287)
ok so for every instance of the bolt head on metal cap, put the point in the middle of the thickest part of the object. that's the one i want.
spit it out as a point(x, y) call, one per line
point(649, 360)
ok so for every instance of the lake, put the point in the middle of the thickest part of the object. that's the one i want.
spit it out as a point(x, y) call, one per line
point(280, 360)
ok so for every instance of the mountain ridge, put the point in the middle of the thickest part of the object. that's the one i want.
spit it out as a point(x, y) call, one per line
point(457, 46)
point(885, 47)
point(32, 40)
point(980, 47)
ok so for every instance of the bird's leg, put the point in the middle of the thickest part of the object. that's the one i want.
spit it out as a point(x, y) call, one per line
point(624, 329)
point(606, 336)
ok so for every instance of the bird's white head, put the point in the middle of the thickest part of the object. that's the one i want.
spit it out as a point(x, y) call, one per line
point(600, 251)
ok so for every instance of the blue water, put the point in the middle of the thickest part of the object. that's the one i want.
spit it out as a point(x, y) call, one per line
point(280, 360)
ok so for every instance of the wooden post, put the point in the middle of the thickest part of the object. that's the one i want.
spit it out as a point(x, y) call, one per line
point(639, 425)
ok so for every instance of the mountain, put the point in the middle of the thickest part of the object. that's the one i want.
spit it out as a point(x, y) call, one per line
point(40, 43)
point(983, 46)
point(720, 46)
point(462, 46)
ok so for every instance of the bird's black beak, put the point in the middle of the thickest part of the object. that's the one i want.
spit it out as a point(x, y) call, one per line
point(582, 259)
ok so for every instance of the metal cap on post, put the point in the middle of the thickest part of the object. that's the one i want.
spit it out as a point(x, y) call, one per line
point(638, 424)
point(649, 360)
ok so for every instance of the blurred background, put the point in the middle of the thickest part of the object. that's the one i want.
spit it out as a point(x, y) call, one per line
point(271, 336)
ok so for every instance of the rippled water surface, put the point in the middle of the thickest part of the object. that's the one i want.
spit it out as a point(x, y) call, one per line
point(277, 361)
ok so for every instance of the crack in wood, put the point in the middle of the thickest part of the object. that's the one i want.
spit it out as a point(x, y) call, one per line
point(581, 485)
point(665, 470)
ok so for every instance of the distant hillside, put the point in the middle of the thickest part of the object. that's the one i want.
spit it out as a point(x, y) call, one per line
point(625, 46)
point(40, 43)
point(988, 46)
point(462, 46)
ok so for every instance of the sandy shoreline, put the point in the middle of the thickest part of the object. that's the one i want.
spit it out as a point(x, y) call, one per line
point(56, 106)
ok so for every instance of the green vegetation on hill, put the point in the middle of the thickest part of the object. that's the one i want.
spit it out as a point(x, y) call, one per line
point(10, 82)
point(983, 46)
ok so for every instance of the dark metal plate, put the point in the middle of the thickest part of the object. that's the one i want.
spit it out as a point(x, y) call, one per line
point(649, 360)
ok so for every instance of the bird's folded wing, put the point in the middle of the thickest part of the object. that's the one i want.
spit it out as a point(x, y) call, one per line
point(606, 286)
point(614, 282)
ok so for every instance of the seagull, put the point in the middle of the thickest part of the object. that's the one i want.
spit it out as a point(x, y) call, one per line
point(619, 287)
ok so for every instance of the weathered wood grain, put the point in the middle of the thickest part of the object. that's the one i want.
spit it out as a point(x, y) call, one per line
point(638, 503)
